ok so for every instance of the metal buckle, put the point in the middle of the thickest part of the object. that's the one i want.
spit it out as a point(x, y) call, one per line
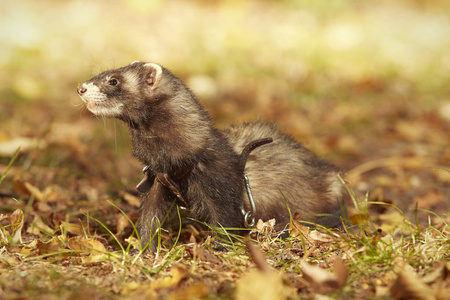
point(249, 217)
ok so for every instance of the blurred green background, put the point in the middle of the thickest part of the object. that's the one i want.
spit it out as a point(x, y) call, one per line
point(298, 50)
point(353, 80)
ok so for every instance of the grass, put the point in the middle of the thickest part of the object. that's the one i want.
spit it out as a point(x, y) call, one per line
point(373, 259)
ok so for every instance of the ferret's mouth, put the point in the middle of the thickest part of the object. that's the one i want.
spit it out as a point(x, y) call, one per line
point(92, 106)
point(104, 108)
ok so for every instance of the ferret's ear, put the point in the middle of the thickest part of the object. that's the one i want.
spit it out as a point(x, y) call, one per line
point(134, 62)
point(153, 75)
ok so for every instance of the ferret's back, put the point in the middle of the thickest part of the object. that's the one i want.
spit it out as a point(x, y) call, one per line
point(285, 173)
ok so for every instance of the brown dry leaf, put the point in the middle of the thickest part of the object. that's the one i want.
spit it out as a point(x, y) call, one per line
point(133, 288)
point(298, 230)
point(382, 282)
point(194, 291)
point(38, 226)
point(262, 286)
point(414, 163)
point(358, 218)
point(178, 274)
point(408, 286)
point(391, 221)
point(94, 248)
point(410, 131)
point(16, 221)
point(442, 174)
point(347, 143)
point(320, 237)
point(58, 197)
point(263, 283)
point(203, 254)
point(258, 257)
point(121, 223)
point(55, 244)
point(87, 245)
point(30, 249)
point(74, 229)
point(9, 261)
point(322, 281)
point(34, 191)
point(266, 227)
point(135, 243)
point(341, 271)
point(26, 189)
point(131, 199)
point(9, 147)
point(94, 258)
point(430, 199)
point(441, 273)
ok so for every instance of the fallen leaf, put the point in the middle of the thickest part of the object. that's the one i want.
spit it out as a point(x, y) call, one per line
point(16, 220)
point(121, 223)
point(199, 253)
point(38, 226)
point(414, 163)
point(8, 148)
point(73, 229)
point(54, 245)
point(30, 249)
point(442, 174)
point(298, 230)
point(411, 131)
point(322, 281)
point(92, 251)
point(441, 273)
point(408, 286)
point(320, 237)
point(133, 288)
point(87, 245)
point(194, 291)
point(264, 229)
point(27, 189)
point(262, 286)
point(263, 283)
point(9, 261)
point(178, 274)
point(134, 242)
point(131, 199)
point(55, 193)
point(430, 199)
point(258, 257)
point(341, 271)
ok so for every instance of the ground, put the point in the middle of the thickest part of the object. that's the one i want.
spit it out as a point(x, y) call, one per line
point(365, 86)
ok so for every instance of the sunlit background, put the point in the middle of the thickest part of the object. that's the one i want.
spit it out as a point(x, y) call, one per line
point(300, 50)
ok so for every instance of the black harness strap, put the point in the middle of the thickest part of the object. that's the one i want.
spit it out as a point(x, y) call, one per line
point(168, 182)
point(165, 179)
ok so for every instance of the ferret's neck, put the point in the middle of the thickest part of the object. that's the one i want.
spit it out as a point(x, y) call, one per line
point(171, 135)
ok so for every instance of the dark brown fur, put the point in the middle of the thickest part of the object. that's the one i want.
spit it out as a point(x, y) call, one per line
point(171, 131)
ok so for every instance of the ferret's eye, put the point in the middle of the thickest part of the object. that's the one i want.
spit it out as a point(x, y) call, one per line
point(113, 81)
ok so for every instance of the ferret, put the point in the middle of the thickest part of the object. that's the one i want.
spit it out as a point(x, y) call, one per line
point(220, 176)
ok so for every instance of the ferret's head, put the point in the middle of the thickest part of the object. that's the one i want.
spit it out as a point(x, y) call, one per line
point(125, 92)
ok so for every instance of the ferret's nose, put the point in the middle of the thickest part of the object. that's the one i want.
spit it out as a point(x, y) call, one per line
point(80, 89)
